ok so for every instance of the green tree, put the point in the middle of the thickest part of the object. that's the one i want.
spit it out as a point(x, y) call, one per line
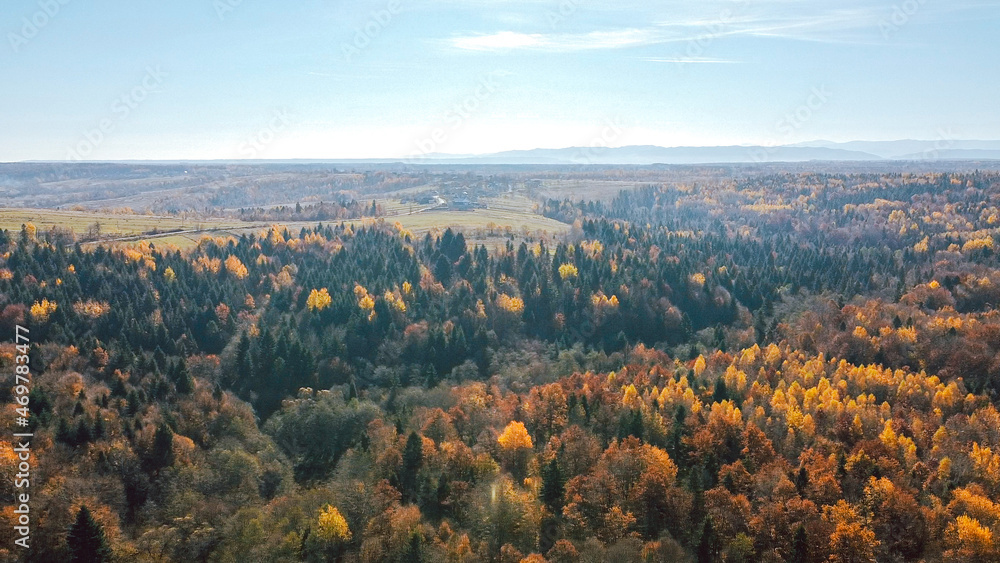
point(800, 546)
point(86, 540)
point(162, 453)
point(553, 487)
point(802, 480)
point(415, 551)
point(721, 393)
point(708, 544)
point(413, 460)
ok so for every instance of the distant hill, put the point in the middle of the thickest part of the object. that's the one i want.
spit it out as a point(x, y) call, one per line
point(648, 154)
point(917, 150)
point(855, 151)
point(643, 155)
point(953, 154)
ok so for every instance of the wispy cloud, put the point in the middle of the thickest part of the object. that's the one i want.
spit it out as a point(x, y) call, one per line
point(511, 40)
point(622, 38)
point(852, 21)
point(691, 60)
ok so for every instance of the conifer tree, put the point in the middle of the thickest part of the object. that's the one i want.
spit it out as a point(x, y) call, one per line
point(162, 454)
point(708, 549)
point(553, 486)
point(86, 540)
point(800, 546)
point(413, 459)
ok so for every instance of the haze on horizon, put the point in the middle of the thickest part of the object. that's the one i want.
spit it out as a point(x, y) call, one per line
point(234, 79)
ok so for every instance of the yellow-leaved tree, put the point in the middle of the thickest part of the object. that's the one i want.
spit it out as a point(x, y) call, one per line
point(332, 526)
point(517, 445)
point(968, 540)
point(40, 311)
point(331, 538)
point(515, 436)
point(510, 304)
point(319, 300)
point(568, 271)
point(699, 366)
point(235, 267)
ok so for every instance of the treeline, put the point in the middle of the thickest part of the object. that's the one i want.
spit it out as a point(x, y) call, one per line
point(320, 212)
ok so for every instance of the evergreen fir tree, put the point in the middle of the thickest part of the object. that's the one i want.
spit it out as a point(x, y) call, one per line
point(721, 393)
point(800, 546)
point(86, 540)
point(99, 428)
point(162, 454)
point(802, 480)
point(415, 551)
point(182, 379)
point(553, 486)
point(64, 434)
point(413, 459)
point(82, 434)
point(708, 549)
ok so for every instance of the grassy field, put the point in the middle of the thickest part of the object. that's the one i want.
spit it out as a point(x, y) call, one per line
point(503, 221)
point(505, 218)
point(480, 219)
point(598, 190)
point(491, 227)
point(393, 207)
point(516, 203)
point(115, 225)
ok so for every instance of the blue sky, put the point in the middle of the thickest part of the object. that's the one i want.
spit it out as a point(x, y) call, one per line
point(222, 79)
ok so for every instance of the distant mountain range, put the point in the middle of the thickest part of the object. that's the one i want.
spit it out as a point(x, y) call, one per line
point(855, 151)
point(639, 155)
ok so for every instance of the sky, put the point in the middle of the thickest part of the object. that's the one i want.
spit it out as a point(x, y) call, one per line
point(328, 79)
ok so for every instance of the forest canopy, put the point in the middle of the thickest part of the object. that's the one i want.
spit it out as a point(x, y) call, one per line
point(787, 367)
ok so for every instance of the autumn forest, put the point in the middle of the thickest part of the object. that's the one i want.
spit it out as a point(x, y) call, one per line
point(771, 366)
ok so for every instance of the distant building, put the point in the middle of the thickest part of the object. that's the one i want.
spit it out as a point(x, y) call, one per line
point(462, 204)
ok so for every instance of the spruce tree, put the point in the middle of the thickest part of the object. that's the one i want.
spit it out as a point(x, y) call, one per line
point(720, 393)
point(800, 546)
point(708, 548)
point(99, 428)
point(553, 487)
point(415, 551)
point(182, 379)
point(413, 459)
point(86, 540)
point(83, 434)
point(802, 480)
point(64, 434)
point(162, 453)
